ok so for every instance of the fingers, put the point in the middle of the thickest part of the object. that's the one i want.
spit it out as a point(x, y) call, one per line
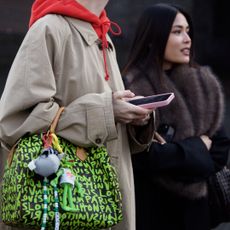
point(126, 112)
point(123, 94)
point(207, 141)
point(141, 122)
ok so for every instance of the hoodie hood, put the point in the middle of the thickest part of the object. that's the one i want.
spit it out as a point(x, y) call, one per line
point(72, 8)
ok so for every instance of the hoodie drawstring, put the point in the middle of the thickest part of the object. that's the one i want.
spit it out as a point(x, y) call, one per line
point(105, 42)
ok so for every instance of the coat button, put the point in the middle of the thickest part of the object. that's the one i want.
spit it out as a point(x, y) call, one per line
point(98, 140)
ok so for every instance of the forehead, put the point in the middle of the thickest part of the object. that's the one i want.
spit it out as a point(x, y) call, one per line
point(180, 20)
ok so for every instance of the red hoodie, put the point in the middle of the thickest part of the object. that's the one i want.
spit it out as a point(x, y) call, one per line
point(72, 8)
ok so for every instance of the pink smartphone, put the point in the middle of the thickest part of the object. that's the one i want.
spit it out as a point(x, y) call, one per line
point(154, 101)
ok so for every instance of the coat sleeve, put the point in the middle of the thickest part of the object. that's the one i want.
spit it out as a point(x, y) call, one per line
point(140, 137)
point(28, 102)
point(88, 120)
point(188, 159)
point(220, 148)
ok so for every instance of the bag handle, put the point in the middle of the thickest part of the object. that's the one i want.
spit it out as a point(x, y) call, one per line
point(156, 136)
point(52, 130)
point(56, 119)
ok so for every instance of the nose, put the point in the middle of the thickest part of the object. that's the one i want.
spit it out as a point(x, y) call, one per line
point(187, 38)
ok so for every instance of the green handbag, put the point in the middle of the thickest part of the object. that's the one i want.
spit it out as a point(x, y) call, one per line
point(82, 194)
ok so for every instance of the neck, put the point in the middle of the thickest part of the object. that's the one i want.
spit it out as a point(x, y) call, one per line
point(167, 65)
point(94, 6)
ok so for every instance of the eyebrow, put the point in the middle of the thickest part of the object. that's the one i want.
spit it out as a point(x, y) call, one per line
point(180, 27)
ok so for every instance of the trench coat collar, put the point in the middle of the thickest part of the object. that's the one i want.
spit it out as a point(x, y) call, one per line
point(85, 29)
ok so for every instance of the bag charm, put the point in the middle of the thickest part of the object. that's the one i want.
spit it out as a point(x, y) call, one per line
point(46, 165)
point(67, 181)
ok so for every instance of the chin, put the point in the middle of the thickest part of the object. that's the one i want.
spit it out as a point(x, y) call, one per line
point(187, 60)
point(184, 61)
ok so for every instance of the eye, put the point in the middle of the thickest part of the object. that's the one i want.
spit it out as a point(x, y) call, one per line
point(176, 32)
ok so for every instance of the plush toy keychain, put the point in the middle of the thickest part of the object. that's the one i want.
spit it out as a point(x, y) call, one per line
point(46, 165)
point(67, 181)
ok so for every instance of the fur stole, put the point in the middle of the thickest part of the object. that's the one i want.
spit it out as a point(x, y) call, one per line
point(198, 108)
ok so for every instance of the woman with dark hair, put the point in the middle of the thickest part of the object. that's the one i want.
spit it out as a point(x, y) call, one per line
point(67, 59)
point(171, 176)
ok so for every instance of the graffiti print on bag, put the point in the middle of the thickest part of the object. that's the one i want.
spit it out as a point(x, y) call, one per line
point(98, 206)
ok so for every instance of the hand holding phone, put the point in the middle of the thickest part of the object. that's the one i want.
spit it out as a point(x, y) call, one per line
point(154, 101)
point(124, 112)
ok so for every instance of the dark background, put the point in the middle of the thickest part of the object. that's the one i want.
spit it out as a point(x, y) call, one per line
point(212, 37)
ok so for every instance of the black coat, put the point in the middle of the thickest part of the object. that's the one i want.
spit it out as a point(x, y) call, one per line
point(187, 161)
point(171, 179)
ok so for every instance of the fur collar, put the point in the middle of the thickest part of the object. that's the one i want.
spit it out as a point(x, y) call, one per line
point(198, 107)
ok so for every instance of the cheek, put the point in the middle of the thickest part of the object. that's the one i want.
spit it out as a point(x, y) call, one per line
point(171, 52)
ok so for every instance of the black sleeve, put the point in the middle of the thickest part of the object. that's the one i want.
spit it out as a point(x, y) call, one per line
point(188, 159)
point(220, 149)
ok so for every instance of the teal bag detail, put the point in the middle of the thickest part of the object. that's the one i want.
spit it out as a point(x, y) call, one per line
point(93, 202)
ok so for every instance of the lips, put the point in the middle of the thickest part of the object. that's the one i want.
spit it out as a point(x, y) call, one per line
point(186, 51)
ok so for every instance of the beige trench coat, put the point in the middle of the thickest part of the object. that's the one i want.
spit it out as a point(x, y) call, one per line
point(60, 64)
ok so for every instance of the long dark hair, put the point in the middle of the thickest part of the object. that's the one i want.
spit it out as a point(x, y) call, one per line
point(153, 29)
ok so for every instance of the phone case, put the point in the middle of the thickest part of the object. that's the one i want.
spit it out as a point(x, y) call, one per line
point(154, 101)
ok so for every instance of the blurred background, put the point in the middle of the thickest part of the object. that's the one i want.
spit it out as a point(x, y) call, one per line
point(212, 37)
